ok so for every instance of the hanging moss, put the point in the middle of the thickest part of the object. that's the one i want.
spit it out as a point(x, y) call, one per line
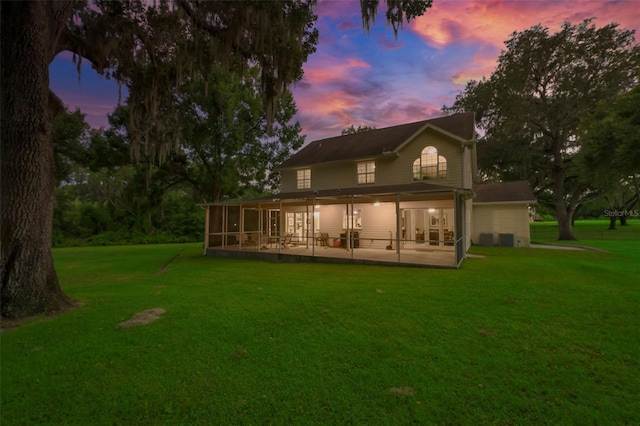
point(155, 48)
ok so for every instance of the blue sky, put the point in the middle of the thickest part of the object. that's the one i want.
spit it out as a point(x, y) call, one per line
point(376, 79)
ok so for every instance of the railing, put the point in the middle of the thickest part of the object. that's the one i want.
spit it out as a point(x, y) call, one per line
point(427, 252)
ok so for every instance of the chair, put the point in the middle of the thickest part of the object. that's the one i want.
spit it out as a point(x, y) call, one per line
point(252, 239)
point(286, 240)
point(323, 239)
point(248, 241)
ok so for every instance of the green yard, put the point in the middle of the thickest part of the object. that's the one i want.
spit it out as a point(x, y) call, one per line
point(587, 230)
point(523, 336)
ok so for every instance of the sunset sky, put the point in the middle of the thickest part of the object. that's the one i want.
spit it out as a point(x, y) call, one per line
point(378, 80)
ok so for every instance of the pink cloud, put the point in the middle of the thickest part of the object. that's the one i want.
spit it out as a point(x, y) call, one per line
point(347, 25)
point(493, 21)
point(338, 9)
point(335, 103)
point(482, 65)
point(487, 24)
point(388, 43)
point(322, 69)
point(325, 112)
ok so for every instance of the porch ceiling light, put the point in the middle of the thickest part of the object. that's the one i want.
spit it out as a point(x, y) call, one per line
point(376, 204)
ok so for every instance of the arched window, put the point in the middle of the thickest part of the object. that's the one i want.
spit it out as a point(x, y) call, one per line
point(430, 165)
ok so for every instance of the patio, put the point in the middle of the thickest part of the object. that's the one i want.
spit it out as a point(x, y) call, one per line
point(421, 257)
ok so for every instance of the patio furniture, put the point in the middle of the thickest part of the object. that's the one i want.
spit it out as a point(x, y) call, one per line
point(323, 239)
point(286, 240)
point(272, 239)
point(248, 241)
point(350, 240)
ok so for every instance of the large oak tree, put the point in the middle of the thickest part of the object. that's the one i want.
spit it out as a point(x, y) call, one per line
point(530, 109)
point(148, 46)
point(610, 153)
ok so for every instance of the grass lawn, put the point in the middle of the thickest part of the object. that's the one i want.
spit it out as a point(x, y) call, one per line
point(587, 230)
point(523, 336)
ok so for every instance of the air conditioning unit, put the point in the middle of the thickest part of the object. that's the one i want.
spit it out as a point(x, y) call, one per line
point(486, 240)
point(507, 240)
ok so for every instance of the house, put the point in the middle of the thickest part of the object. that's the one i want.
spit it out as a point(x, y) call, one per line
point(405, 194)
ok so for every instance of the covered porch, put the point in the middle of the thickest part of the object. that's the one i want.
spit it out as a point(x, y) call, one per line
point(417, 225)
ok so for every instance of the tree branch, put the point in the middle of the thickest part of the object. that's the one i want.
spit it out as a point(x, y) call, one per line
point(95, 51)
point(214, 31)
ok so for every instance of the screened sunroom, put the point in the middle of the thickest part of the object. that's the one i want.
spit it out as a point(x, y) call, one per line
point(416, 224)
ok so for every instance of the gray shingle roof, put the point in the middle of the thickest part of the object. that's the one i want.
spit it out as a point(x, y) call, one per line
point(518, 191)
point(376, 142)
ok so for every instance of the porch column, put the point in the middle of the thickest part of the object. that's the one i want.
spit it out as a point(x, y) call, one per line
point(283, 222)
point(306, 225)
point(350, 230)
point(459, 228)
point(260, 225)
point(224, 228)
point(206, 229)
point(313, 226)
point(241, 227)
point(398, 225)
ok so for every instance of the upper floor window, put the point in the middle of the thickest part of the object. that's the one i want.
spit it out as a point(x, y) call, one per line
point(366, 172)
point(304, 178)
point(430, 165)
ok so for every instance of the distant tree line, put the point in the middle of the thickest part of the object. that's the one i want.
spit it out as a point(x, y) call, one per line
point(105, 196)
point(102, 196)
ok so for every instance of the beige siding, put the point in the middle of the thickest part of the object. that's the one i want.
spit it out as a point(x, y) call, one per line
point(467, 170)
point(330, 218)
point(436, 204)
point(501, 219)
point(377, 221)
point(337, 175)
point(325, 176)
point(288, 180)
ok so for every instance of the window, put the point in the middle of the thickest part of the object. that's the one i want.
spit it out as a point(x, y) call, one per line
point(352, 221)
point(304, 179)
point(366, 172)
point(430, 165)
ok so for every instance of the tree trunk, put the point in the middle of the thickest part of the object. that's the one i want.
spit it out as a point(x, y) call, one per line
point(564, 223)
point(28, 281)
point(564, 213)
point(612, 222)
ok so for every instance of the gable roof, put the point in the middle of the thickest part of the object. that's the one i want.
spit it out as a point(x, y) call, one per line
point(503, 192)
point(377, 142)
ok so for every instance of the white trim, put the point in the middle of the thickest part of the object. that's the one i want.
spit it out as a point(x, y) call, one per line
point(488, 203)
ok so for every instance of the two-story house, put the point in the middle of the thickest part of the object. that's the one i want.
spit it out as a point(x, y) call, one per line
point(405, 194)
